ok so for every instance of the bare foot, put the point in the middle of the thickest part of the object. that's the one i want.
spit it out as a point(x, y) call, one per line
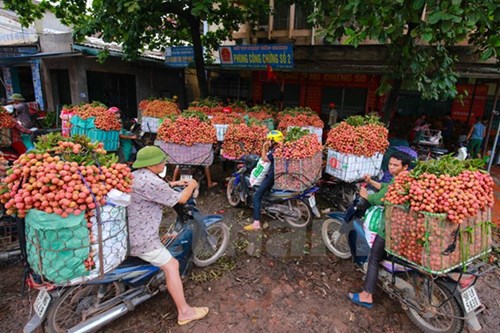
point(212, 184)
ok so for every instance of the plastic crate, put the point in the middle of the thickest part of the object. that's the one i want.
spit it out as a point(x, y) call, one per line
point(150, 124)
point(81, 126)
point(110, 139)
point(297, 174)
point(197, 154)
point(350, 168)
point(432, 242)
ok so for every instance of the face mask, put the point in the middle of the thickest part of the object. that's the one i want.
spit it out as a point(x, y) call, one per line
point(164, 172)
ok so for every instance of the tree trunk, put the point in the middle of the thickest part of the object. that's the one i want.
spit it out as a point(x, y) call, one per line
point(390, 103)
point(194, 23)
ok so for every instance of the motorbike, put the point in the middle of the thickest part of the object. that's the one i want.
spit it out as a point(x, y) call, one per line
point(337, 193)
point(294, 208)
point(195, 238)
point(188, 172)
point(434, 303)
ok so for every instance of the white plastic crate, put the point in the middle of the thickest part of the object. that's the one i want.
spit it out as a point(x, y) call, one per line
point(150, 124)
point(313, 130)
point(221, 130)
point(350, 168)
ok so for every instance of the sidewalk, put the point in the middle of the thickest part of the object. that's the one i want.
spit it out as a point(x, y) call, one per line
point(495, 173)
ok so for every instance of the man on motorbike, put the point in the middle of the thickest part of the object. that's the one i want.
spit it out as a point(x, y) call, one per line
point(149, 195)
point(398, 163)
point(267, 154)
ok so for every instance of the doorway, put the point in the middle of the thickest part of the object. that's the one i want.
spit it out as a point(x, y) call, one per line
point(113, 90)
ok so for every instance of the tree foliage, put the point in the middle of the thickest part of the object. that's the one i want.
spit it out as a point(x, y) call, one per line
point(149, 24)
point(419, 34)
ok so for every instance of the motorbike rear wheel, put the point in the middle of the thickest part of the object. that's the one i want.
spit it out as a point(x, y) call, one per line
point(335, 241)
point(233, 192)
point(299, 214)
point(68, 310)
point(206, 255)
point(432, 319)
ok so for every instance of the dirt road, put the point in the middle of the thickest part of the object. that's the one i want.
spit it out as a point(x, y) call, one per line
point(278, 280)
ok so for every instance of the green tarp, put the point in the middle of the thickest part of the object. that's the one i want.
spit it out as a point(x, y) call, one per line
point(57, 247)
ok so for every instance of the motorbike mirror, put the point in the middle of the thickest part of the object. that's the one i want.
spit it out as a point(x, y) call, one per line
point(361, 206)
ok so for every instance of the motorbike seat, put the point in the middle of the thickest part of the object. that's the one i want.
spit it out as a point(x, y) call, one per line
point(277, 196)
point(133, 261)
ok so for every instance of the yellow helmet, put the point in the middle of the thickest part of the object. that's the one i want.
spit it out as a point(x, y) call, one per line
point(275, 135)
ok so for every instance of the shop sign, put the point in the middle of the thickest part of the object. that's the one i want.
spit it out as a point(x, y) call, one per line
point(16, 51)
point(179, 56)
point(278, 56)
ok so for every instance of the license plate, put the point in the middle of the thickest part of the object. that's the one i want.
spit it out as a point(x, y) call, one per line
point(41, 303)
point(470, 299)
point(186, 177)
point(312, 201)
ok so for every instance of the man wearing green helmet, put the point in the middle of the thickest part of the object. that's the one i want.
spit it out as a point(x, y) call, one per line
point(150, 194)
point(267, 155)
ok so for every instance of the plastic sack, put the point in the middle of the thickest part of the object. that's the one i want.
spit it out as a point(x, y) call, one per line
point(259, 172)
point(57, 247)
point(371, 225)
point(119, 198)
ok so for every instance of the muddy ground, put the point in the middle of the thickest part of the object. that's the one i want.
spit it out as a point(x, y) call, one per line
point(277, 280)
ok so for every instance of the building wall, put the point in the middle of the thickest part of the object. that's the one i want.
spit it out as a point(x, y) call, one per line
point(150, 79)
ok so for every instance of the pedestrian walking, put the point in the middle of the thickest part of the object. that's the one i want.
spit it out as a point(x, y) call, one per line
point(475, 138)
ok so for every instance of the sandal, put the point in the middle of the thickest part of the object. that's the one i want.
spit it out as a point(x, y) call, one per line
point(250, 227)
point(199, 313)
point(355, 299)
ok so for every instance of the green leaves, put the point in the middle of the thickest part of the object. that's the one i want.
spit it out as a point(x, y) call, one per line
point(418, 41)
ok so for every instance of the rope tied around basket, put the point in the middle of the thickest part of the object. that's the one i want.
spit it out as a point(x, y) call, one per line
point(98, 220)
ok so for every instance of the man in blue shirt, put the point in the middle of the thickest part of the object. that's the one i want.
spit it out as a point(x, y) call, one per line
point(476, 135)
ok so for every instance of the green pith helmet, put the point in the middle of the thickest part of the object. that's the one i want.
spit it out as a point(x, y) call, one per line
point(17, 97)
point(149, 156)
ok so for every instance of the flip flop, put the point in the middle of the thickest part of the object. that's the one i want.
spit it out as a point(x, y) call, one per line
point(199, 313)
point(250, 227)
point(355, 299)
point(213, 185)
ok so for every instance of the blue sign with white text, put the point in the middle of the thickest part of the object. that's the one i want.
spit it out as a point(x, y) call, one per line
point(179, 56)
point(278, 56)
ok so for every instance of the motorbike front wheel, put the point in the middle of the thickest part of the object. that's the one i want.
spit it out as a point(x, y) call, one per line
point(75, 305)
point(298, 214)
point(430, 318)
point(218, 241)
point(334, 240)
point(234, 192)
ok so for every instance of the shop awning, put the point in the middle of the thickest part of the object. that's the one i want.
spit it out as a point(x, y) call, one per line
point(24, 58)
point(94, 51)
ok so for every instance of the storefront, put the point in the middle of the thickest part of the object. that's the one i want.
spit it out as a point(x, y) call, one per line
point(351, 93)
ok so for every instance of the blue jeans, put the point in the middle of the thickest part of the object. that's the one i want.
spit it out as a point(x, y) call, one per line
point(266, 185)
